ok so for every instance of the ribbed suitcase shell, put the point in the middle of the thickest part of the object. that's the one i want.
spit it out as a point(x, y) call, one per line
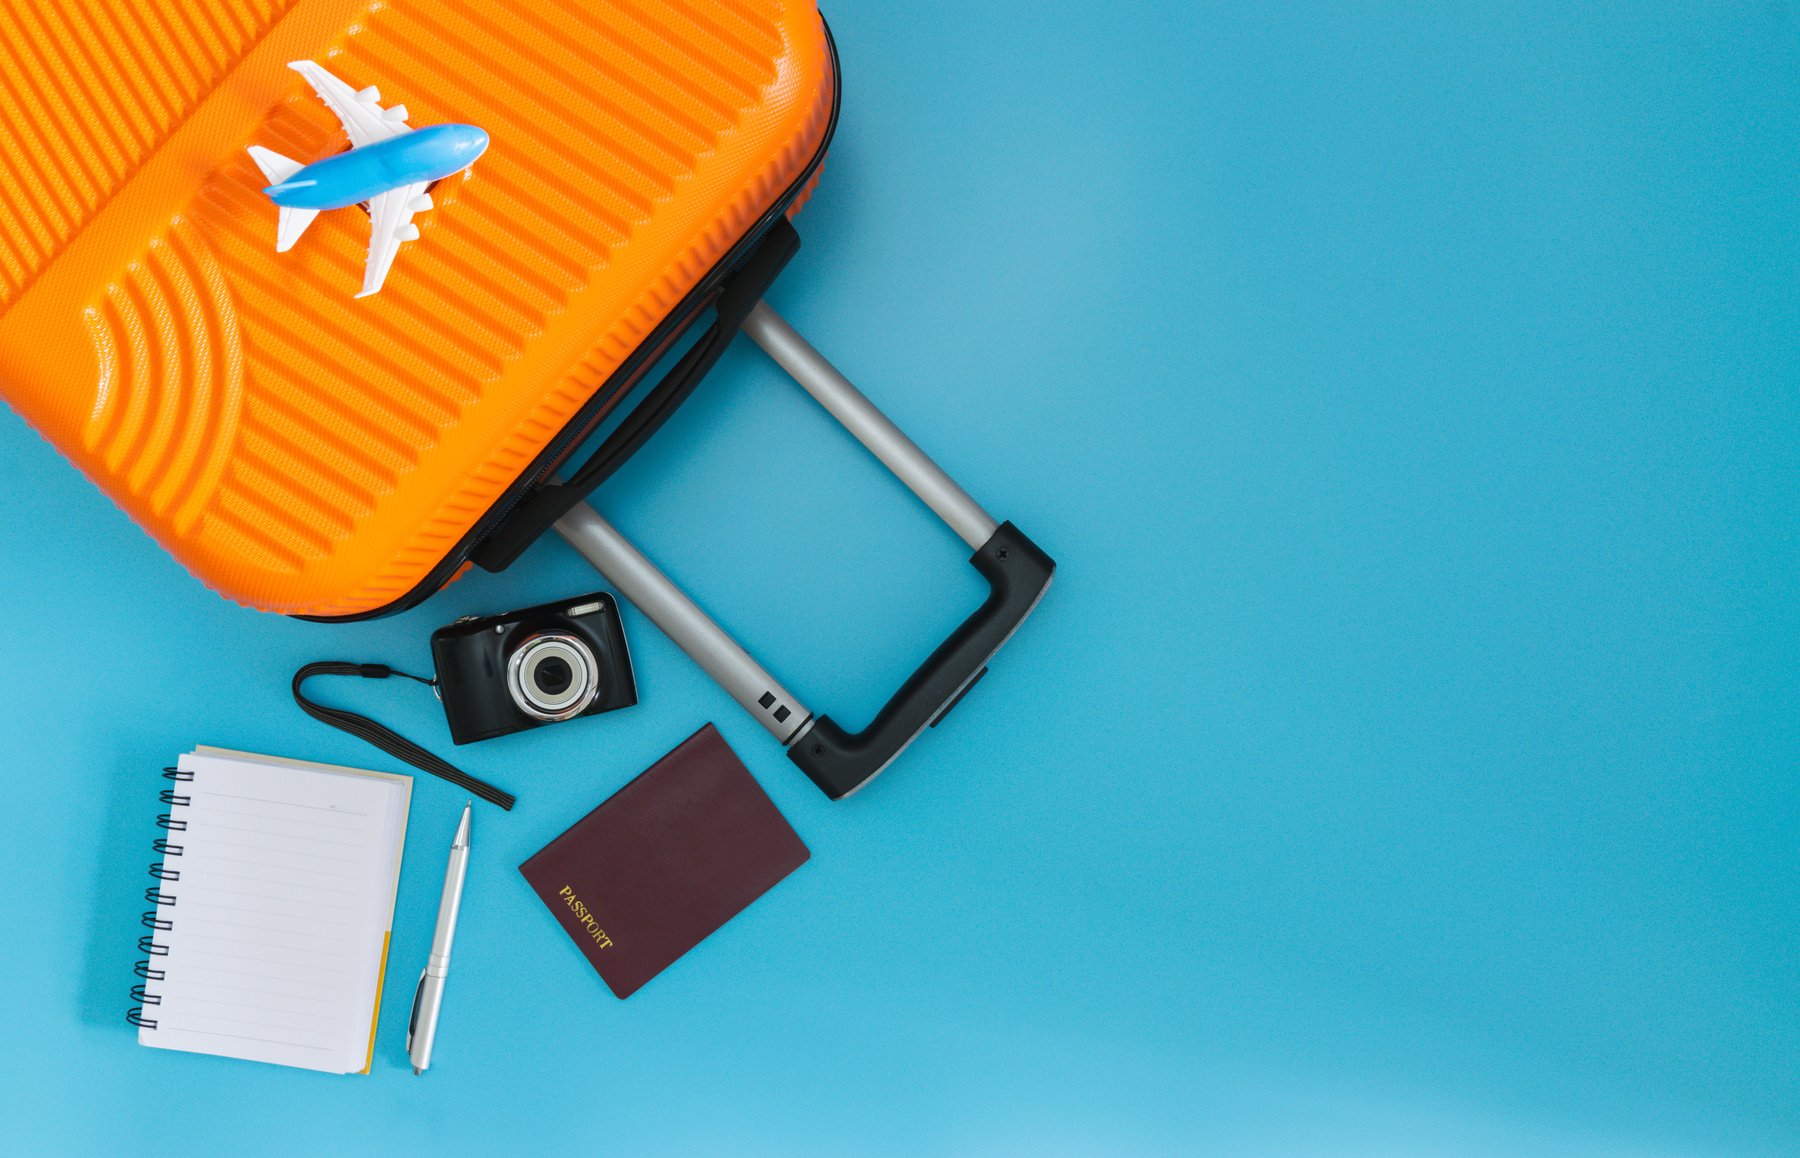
point(299, 450)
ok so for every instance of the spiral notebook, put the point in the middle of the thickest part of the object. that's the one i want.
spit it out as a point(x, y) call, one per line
point(272, 909)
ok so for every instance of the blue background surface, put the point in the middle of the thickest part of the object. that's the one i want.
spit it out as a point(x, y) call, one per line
point(1404, 761)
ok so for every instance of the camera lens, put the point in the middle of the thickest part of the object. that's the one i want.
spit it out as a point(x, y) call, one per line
point(552, 676)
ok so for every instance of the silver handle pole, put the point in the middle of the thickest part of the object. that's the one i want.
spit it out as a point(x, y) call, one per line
point(664, 604)
point(871, 427)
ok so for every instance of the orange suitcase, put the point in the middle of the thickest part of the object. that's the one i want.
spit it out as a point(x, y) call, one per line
point(306, 451)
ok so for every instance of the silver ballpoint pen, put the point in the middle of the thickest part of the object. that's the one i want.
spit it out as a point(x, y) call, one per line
point(421, 1031)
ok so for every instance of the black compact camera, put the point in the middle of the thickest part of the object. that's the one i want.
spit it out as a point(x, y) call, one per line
point(543, 665)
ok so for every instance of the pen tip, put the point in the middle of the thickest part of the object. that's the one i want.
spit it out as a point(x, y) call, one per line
point(417, 1071)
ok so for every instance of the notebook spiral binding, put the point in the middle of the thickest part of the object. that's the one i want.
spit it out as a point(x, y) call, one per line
point(153, 918)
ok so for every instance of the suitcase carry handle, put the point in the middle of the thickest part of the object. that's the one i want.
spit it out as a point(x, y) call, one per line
point(538, 512)
point(840, 762)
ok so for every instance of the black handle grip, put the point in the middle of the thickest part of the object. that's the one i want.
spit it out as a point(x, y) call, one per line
point(538, 512)
point(840, 762)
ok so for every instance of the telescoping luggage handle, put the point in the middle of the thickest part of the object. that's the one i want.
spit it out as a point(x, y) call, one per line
point(838, 761)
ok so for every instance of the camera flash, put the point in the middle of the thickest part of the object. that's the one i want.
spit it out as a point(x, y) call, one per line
point(585, 609)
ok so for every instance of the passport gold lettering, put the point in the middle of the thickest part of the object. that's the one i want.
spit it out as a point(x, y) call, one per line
point(584, 918)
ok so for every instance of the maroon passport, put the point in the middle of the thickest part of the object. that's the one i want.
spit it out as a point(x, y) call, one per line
point(667, 859)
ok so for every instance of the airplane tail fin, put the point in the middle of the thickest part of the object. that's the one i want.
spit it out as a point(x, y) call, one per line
point(278, 169)
point(275, 167)
point(292, 224)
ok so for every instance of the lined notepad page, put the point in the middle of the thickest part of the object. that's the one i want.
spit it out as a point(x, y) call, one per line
point(283, 903)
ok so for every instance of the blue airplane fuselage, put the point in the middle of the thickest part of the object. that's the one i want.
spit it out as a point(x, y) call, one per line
point(423, 155)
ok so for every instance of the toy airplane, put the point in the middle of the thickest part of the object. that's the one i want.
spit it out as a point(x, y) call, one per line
point(389, 167)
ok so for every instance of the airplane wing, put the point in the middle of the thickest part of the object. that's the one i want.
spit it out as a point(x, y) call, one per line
point(361, 113)
point(390, 223)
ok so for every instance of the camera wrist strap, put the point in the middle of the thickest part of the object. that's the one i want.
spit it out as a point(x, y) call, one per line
point(386, 738)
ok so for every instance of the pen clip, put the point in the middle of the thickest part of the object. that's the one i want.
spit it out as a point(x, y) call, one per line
point(412, 1021)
